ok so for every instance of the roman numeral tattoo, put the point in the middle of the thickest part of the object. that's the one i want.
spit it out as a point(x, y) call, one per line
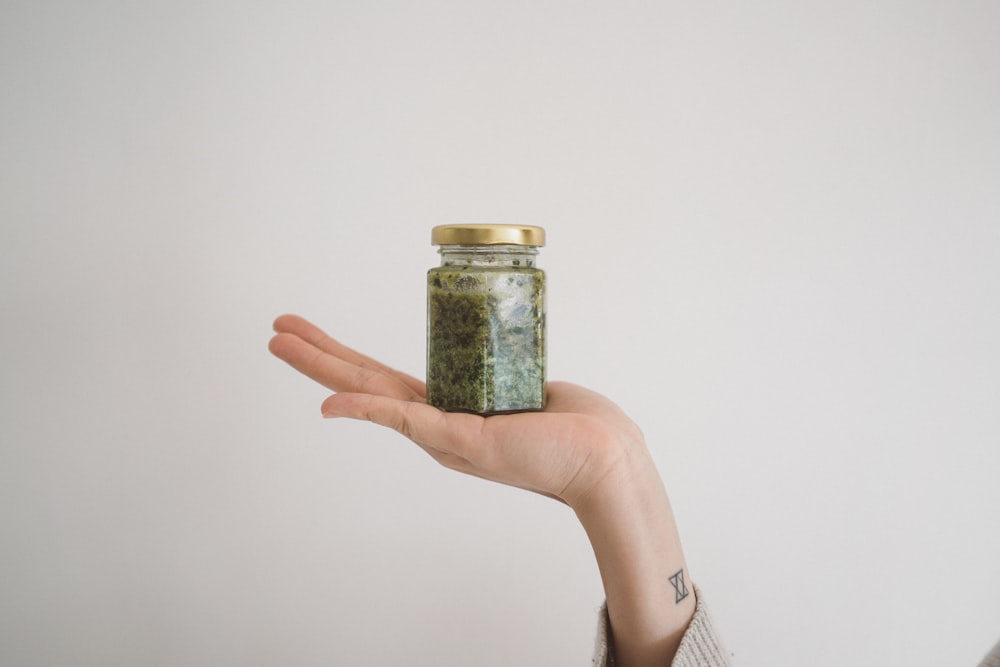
point(680, 588)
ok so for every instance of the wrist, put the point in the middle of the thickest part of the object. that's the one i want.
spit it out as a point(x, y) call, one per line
point(630, 524)
point(629, 489)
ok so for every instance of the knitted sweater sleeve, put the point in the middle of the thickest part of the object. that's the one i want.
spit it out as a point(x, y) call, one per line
point(993, 658)
point(700, 646)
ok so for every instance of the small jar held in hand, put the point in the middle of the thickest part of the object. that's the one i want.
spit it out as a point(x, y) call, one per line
point(486, 320)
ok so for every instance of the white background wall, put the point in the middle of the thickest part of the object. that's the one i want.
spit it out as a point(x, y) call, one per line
point(774, 239)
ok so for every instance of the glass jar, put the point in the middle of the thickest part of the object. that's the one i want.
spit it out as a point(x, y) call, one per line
point(486, 320)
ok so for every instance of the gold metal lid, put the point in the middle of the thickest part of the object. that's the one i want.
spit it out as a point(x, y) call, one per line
point(487, 235)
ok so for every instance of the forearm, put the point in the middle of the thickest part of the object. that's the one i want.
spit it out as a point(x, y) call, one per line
point(649, 593)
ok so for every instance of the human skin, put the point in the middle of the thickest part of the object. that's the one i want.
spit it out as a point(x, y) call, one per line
point(582, 450)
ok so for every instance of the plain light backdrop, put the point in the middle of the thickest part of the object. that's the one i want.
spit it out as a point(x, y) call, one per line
point(774, 239)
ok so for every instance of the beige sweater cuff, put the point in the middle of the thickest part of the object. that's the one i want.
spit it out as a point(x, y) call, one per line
point(700, 646)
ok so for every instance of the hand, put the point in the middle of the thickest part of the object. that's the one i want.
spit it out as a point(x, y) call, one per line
point(582, 450)
point(563, 452)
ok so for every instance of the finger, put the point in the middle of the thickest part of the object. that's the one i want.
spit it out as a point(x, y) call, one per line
point(312, 334)
point(454, 433)
point(335, 373)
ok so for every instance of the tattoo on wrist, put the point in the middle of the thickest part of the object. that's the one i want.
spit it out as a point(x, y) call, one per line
point(680, 588)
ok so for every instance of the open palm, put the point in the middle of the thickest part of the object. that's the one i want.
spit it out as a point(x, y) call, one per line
point(563, 452)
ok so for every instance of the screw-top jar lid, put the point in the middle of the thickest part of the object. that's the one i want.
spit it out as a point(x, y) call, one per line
point(487, 235)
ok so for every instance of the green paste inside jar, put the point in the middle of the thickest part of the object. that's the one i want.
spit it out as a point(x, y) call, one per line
point(486, 339)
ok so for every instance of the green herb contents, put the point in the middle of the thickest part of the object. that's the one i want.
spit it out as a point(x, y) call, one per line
point(486, 338)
